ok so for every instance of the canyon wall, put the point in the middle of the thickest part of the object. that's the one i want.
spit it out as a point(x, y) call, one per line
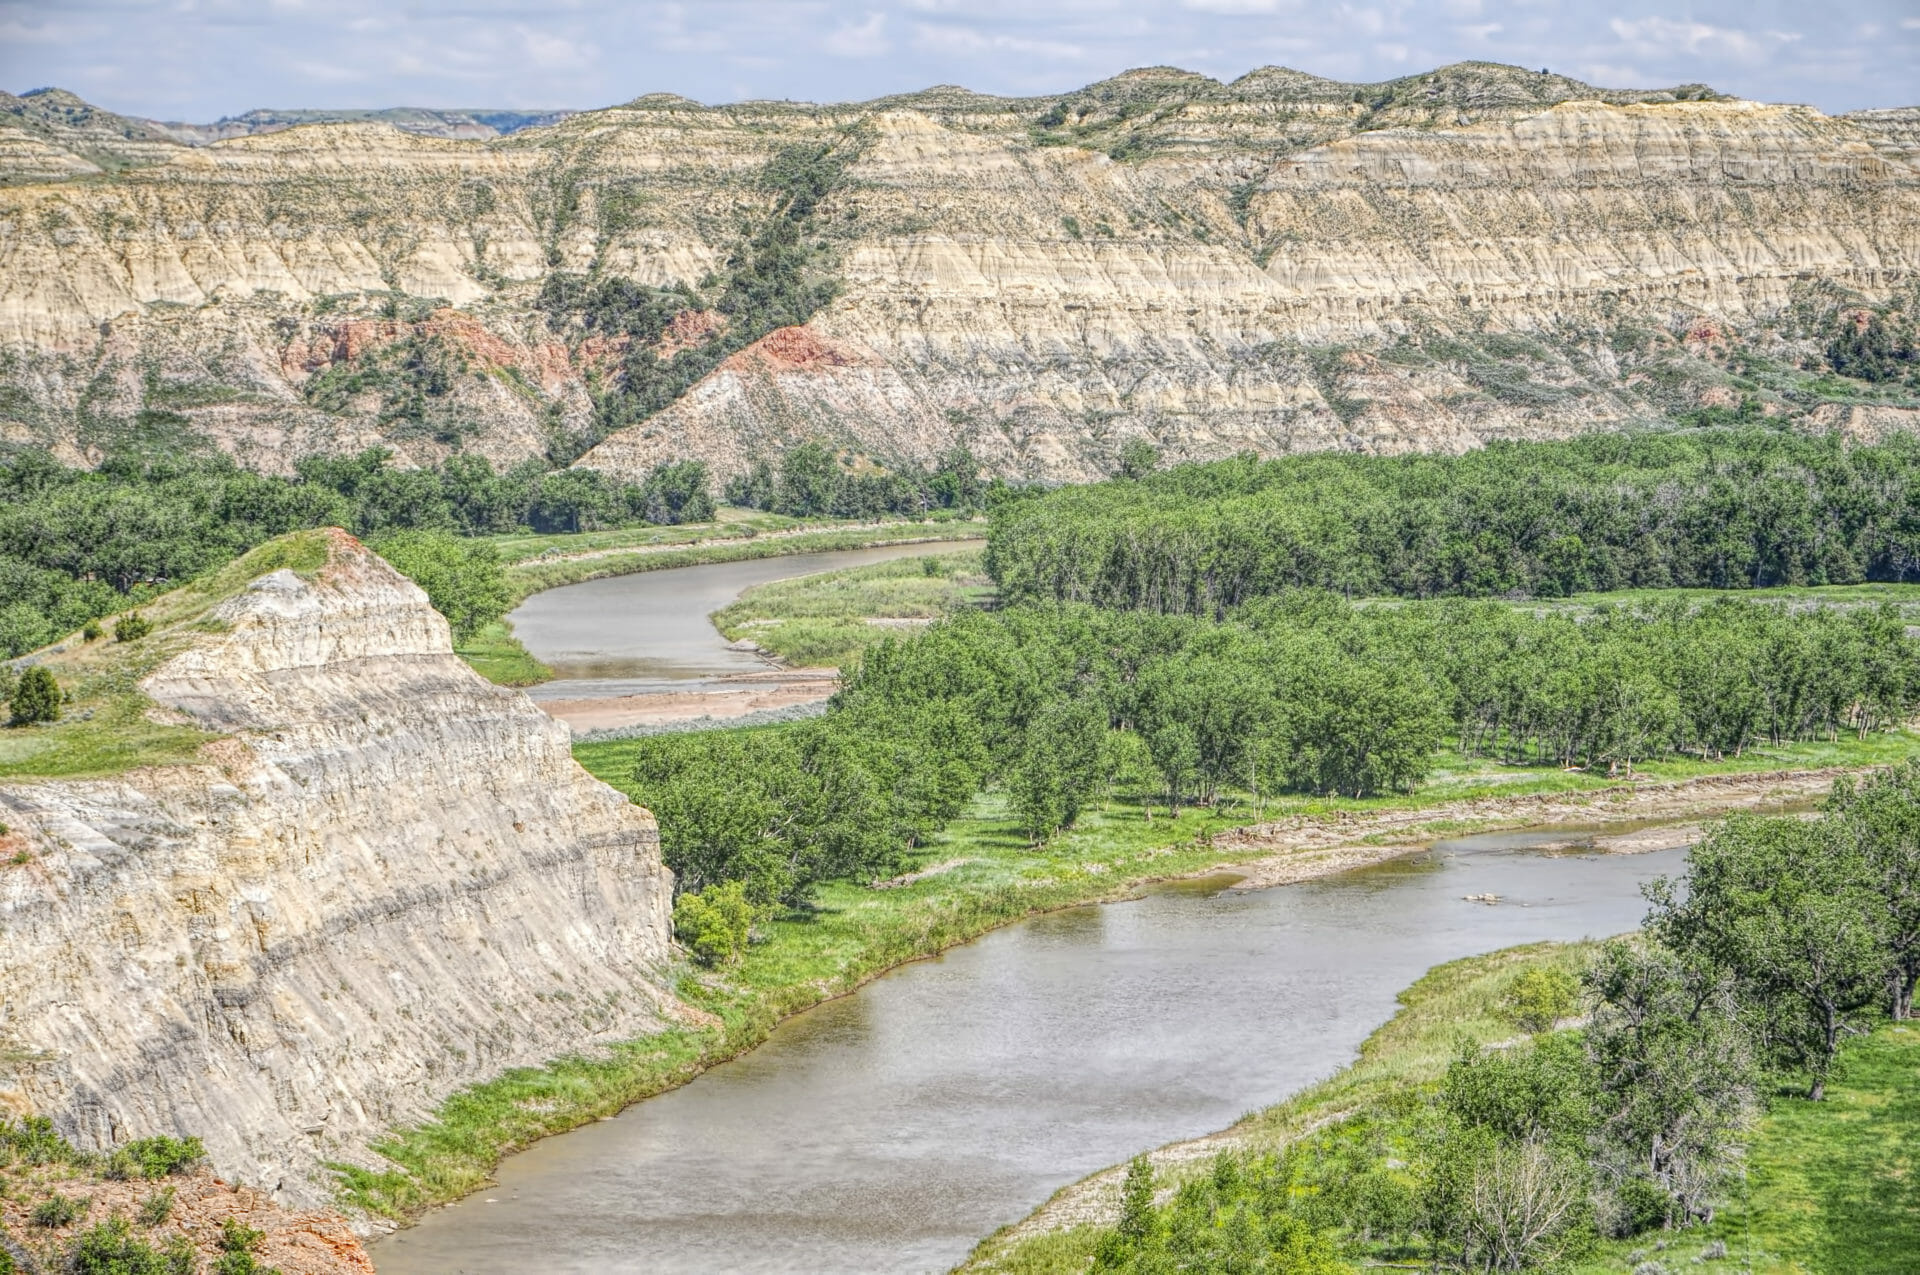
point(1279, 263)
point(383, 880)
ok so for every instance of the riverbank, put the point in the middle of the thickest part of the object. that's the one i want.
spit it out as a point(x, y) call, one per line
point(538, 563)
point(552, 569)
point(990, 876)
point(1826, 1186)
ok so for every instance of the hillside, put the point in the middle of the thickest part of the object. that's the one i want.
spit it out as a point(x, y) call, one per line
point(1278, 263)
point(329, 877)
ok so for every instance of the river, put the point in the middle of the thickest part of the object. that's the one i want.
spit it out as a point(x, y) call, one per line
point(638, 650)
point(890, 1130)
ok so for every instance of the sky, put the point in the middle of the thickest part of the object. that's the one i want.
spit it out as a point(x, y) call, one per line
point(198, 60)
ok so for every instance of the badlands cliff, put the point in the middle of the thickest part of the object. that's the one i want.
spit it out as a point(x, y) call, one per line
point(379, 880)
point(1283, 262)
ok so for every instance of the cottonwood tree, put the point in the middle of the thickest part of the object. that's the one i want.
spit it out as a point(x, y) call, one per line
point(1673, 1075)
point(1782, 907)
point(1880, 819)
point(1059, 766)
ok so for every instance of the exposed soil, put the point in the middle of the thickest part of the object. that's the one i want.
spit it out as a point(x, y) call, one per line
point(1307, 846)
point(307, 1242)
point(722, 697)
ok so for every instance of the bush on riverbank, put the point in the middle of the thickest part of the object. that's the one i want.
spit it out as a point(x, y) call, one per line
point(1786, 940)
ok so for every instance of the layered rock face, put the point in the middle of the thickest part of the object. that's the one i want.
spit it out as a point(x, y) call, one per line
point(388, 880)
point(1280, 263)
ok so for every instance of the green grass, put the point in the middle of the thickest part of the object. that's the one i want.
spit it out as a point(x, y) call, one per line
point(107, 727)
point(855, 933)
point(1833, 1187)
point(729, 524)
point(1450, 1004)
point(824, 620)
point(99, 734)
point(497, 655)
point(530, 577)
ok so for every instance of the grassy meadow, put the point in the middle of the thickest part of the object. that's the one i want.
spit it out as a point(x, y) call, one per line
point(825, 620)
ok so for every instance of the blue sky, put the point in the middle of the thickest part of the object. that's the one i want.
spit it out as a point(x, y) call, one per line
point(200, 59)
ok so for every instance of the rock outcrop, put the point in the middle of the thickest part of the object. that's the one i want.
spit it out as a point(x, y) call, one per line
point(384, 880)
point(1279, 263)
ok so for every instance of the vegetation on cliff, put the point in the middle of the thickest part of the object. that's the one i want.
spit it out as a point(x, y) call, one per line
point(119, 1213)
point(77, 545)
point(777, 274)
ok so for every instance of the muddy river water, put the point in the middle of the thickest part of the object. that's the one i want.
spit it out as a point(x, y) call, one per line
point(890, 1130)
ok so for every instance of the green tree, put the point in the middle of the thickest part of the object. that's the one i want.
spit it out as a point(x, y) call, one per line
point(716, 923)
point(1786, 910)
point(1360, 728)
point(1541, 997)
point(1880, 819)
point(1058, 766)
point(1674, 1079)
point(463, 578)
point(809, 480)
point(36, 697)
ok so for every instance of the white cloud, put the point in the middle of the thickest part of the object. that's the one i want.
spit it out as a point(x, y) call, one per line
point(1231, 6)
point(967, 42)
point(1658, 37)
point(867, 40)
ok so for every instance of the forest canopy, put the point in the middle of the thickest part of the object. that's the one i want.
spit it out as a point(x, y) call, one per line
point(1712, 508)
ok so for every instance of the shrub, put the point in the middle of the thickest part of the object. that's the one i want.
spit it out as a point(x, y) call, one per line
point(111, 1248)
point(131, 627)
point(90, 631)
point(237, 1244)
point(36, 698)
point(161, 1156)
point(34, 1140)
point(1539, 998)
point(157, 1208)
point(716, 923)
point(57, 1210)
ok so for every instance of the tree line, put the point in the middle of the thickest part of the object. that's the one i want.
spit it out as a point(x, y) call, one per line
point(1784, 939)
point(76, 545)
point(1307, 693)
point(809, 481)
point(1709, 508)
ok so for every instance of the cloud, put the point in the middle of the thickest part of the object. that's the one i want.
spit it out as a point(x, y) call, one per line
point(967, 42)
point(1656, 37)
point(867, 40)
point(1231, 6)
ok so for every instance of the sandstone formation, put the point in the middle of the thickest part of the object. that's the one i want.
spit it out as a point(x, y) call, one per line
point(385, 879)
point(1279, 263)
